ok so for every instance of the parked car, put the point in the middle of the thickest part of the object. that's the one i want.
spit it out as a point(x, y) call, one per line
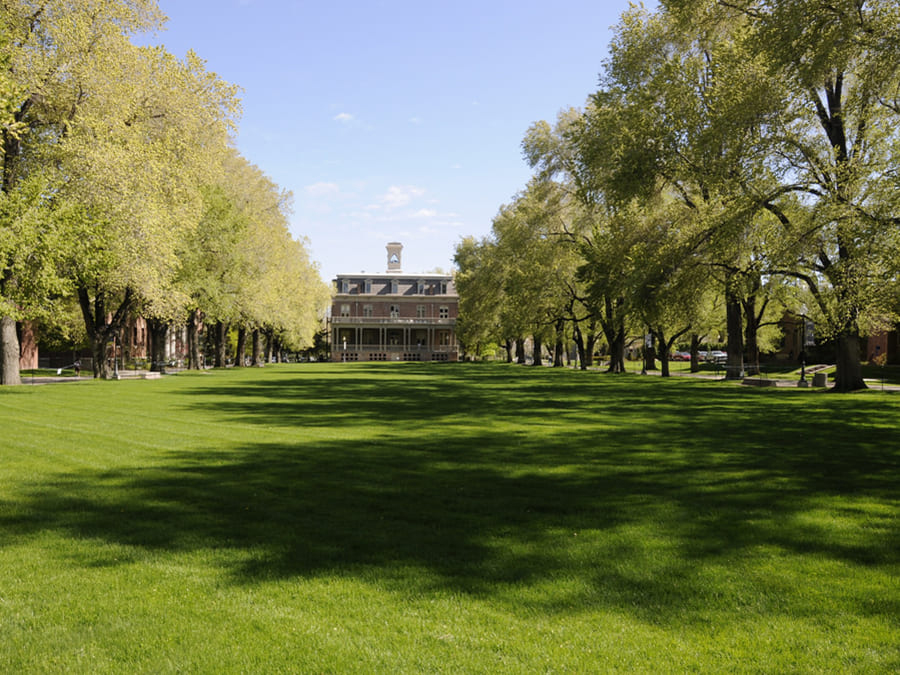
point(718, 356)
point(681, 356)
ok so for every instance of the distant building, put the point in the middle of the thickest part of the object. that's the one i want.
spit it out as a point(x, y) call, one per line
point(394, 316)
point(799, 338)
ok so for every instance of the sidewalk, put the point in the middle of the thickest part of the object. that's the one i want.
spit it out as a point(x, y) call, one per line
point(58, 379)
point(782, 383)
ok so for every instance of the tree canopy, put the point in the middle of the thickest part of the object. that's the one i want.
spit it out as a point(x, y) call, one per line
point(121, 187)
point(740, 155)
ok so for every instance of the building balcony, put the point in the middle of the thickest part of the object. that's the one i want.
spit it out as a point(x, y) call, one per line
point(375, 352)
point(382, 321)
point(397, 348)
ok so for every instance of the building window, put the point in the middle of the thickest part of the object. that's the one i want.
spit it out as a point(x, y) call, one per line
point(367, 311)
point(395, 311)
point(443, 288)
point(395, 286)
point(444, 312)
point(444, 338)
point(368, 287)
point(345, 311)
point(420, 311)
point(420, 287)
point(344, 286)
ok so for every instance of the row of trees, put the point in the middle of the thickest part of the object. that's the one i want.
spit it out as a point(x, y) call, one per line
point(121, 192)
point(740, 158)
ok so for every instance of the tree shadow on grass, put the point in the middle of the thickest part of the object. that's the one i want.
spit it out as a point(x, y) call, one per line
point(487, 479)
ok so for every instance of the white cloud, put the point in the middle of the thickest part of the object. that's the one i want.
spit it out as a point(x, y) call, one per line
point(322, 189)
point(398, 196)
point(425, 213)
point(343, 117)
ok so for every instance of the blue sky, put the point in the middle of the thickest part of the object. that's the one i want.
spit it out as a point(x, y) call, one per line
point(394, 120)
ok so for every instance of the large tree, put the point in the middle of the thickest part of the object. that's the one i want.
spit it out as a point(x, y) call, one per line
point(48, 50)
point(243, 269)
point(135, 156)
point(479, 283)
point(835, 143)
point(112, 138)
point(680, 114)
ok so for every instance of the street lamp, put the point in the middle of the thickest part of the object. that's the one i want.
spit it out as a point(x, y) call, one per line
point(115, 359)
point(803, 382)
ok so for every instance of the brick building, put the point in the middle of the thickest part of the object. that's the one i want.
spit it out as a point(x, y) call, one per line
point(394, 316)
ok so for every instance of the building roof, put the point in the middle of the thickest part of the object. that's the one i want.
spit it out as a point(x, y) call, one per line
point(398, 275)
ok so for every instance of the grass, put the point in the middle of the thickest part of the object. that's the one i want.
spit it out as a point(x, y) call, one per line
point(447, 518)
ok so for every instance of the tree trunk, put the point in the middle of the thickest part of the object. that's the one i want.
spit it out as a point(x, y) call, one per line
point(848, 373)
point(538, 347)
point(509, 350)
point(220, 335)
point(664, 349)
point(613, 327)
point(617, 352)
point(100, 354)
point(649, 352)
point(520, 351)
point(270, 345)
point(257, 348)
point(695, 353)
point(751, 334)
point(277, 350)
point(578, 337)
point(589, 346)
point(193, 338)
point(9, 358)
point(585, 346)
point(102, 332)
point(734, 369)
point(559, 353)
point(241, 352)
point(159, 333)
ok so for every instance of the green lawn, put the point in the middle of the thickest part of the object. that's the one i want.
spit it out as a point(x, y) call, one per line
point(385, 518)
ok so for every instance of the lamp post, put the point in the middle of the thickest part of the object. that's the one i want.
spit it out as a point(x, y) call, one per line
point(880, 361)
point(803, 382)
point(115, 359)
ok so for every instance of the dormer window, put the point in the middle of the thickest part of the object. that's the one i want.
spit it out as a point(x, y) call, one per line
point(367, 287)
point(395, 286)
point(420, 287)
point(344, 286)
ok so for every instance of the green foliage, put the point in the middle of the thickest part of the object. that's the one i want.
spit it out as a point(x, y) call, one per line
point(750, 145)
point(119, 185)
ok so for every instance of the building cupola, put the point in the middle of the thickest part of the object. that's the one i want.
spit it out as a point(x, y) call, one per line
point(394, 253)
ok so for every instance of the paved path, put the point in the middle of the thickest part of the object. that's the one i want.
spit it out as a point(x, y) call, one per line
point(873, 384)
point(58, 379)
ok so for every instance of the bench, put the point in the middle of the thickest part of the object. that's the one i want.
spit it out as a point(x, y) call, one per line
point(759, 382)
